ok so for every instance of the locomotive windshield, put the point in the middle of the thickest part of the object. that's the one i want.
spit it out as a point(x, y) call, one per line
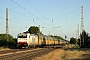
point(22, 36)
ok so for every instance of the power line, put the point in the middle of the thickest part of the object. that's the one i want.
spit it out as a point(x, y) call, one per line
point(67, 13)
point(13, 21)
point(2, 18)
point(16, 22)
point(10, 19)
point(20, 13)
point(37, 10)
point(13, 15)
point(23, 15)
point(28, 11)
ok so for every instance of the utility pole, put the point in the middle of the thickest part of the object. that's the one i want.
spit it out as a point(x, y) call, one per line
point(77, 33)
point(82, 29)
point(7, 27)
point(39, 29)
point(49, 33)
point(82, 25)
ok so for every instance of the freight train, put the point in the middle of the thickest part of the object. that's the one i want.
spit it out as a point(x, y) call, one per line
point(33, 40)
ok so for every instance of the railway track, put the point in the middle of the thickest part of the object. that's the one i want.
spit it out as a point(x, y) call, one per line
point(25, 54)
point(13, 50)
point(56, 46)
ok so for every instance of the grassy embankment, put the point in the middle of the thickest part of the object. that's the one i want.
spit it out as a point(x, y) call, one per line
point(71, 53)
point(3, 48)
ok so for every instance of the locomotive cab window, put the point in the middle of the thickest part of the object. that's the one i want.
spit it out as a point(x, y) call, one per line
point(22, 36)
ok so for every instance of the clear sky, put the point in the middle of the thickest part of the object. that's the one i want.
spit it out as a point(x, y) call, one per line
point(60, 17)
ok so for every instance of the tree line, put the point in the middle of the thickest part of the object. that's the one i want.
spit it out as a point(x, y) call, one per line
point(83, 41)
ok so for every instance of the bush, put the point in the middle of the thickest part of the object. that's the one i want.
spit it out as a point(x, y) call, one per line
point(4, 42)
point(73, 41)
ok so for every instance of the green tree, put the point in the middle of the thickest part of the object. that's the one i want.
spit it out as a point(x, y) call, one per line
point(34, 30)
point(3, 40)
point(58, 37)
point(88, 42)
point(73, 40)
point(85, 39)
